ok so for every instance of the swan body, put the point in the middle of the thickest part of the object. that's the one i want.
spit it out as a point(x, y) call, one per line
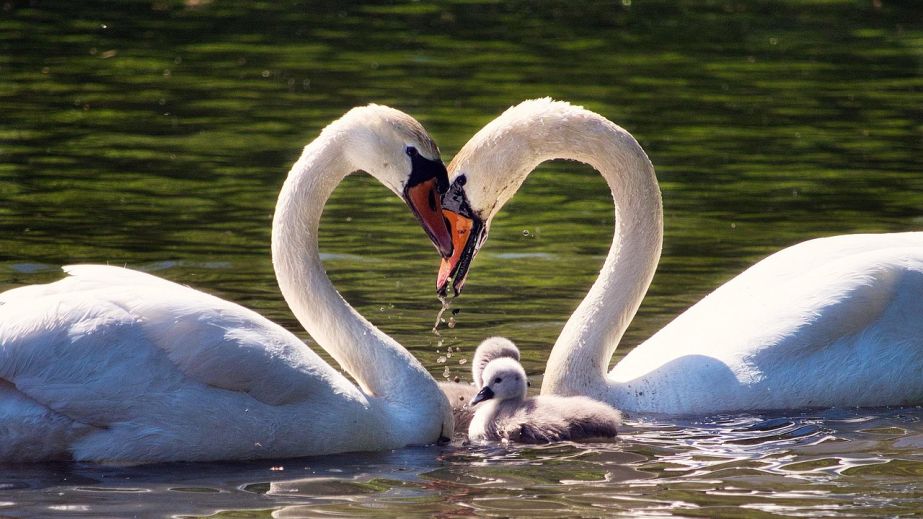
point(459, 394)
point(829, 322)
point(114, 365)
point(508, 414)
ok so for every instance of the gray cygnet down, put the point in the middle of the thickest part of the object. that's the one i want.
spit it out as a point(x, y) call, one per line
point(505, 412)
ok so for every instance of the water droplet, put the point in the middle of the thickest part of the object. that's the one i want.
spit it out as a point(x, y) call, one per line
point(439, 320)
point(462, 361)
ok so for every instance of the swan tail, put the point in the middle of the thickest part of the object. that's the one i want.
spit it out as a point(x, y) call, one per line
point(24, 420)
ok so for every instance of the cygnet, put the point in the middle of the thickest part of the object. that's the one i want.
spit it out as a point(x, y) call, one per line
point(508, 414)
point(459, 394)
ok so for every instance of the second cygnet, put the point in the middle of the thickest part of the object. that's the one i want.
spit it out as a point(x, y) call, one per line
point(459, 394)
point(508, 414)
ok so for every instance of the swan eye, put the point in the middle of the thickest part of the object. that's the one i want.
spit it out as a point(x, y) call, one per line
point(461, 180)
point(411, 151)
point(498, 380)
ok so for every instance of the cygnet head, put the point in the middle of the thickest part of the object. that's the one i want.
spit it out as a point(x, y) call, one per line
point(504, 379)
point(490, 349)
point(394, 147)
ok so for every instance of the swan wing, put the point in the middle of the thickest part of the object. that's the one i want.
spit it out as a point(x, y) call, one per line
point(792, 299)
point(802, 258)
point(817, 324)
point(101, 344)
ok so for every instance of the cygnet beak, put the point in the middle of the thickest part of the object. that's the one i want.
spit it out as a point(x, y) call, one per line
point(484, 394)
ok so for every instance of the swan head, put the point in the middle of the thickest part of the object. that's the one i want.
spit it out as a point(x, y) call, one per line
point(394, 148)
point(486, 173)
point(504, 379)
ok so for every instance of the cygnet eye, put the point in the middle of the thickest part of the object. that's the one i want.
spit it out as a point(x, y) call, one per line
point(461, 180)
point(498, 380)
point(411, 151)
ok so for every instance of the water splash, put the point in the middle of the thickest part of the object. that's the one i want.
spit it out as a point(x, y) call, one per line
point(446, 303)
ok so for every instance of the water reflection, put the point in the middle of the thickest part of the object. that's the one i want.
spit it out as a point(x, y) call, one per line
point(794, 465)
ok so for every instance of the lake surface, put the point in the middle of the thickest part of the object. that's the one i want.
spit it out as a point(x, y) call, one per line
point(155, 134)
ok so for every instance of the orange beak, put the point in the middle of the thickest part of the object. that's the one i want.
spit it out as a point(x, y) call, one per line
point(460, 229)
point(425, 202)
point(467, 236)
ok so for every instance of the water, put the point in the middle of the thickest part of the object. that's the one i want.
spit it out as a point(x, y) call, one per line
point(156, 135)
point(847, 463)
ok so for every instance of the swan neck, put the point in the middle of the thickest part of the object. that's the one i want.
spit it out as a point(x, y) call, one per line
point(381, 366)
point(580, 357)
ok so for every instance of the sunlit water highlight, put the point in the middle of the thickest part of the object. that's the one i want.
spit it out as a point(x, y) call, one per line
point(860, 462)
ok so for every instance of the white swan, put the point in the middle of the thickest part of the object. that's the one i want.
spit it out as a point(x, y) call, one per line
point(511, 415)
point(828, 322)
point(459, 393)
point(110, 364)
